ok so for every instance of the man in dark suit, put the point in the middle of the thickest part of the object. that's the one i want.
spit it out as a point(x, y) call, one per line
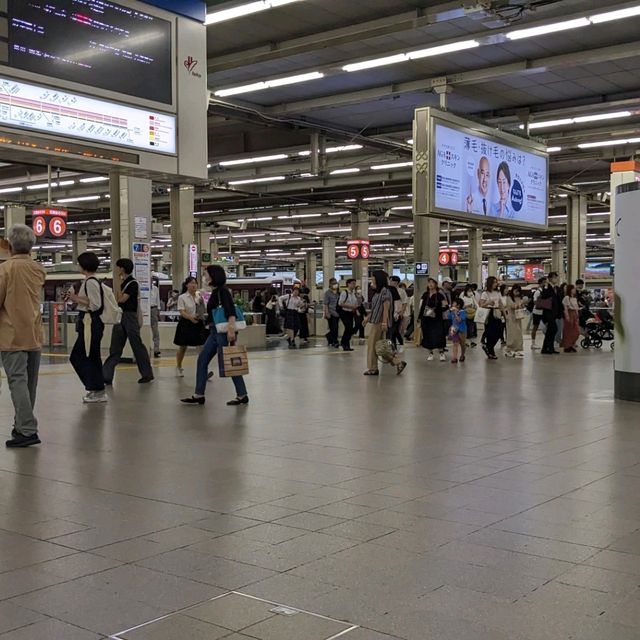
point(552, 306)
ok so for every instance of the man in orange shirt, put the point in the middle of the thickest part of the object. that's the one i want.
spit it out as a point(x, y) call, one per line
point(21, 283)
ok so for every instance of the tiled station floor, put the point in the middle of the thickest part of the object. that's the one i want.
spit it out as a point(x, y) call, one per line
point(490, 501)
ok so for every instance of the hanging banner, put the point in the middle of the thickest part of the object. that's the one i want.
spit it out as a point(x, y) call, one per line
point(141, 257)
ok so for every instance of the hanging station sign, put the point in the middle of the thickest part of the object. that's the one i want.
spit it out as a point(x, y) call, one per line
point(49, 223)
point(358, 249)
point(448, 257)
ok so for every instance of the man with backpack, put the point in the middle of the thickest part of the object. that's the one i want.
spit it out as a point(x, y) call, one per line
point(127, 295)
point(95, 304)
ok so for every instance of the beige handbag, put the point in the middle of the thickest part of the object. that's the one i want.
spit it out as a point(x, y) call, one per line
point(235, 361)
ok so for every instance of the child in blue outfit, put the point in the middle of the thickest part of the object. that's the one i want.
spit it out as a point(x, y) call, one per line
point(458, 331)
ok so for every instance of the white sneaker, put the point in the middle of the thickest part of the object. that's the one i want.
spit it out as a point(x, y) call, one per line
point(361, 341)
point(94, 397)
point(179, 372)
point(400, 348)
point(508, 354)
point(443, 358)
point(519, 354)
point(430, 357)
point(534, 346)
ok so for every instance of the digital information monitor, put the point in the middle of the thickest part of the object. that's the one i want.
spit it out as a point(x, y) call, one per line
point(473, 173)
point(28, 106)
point(96, 43)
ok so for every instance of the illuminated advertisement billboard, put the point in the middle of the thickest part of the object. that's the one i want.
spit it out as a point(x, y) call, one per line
point(473, 173)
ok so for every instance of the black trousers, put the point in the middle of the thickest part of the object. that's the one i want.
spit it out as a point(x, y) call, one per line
point(550, 335)
point(348, 321)
point(359, 325)
point(304, 326)
point(88, 366)
point(334, 328)
point(128, 329)
point(396, 334)
point(493, 332)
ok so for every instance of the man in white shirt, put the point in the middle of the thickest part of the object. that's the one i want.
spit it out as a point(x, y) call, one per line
point(155, 318)
point(536, 314)
point(347, 306)
point(478, 200)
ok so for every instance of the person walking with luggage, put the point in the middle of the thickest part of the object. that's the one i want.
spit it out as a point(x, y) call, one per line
point(490, 299)
point(347, 307)
point(331, 297)
point(21, 282)
point(190, 331)
point(86, 356)
point(431, 317)
point(220, 297)
point(126, 290)
point(380, 316)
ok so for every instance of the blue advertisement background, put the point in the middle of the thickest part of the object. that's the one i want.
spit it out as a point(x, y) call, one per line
point(196, 9)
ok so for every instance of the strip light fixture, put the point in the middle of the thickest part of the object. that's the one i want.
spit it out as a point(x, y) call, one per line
point(258, 180)
point(11, 190)
point(235, 163)
point(93, 179)
point(269, 84)
point(45, 185)
point(337, 172)
point(78, 199)
point(545, 124)
point(607, 143)
point(246, 9)
point(345, 147)
point(391, 165)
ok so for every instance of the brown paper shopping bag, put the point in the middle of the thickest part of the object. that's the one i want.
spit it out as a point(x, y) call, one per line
point(235, 361)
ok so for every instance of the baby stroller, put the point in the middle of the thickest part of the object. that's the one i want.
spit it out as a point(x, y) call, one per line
point(598, 328)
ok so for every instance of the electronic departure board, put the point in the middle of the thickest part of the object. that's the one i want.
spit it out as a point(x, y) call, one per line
point(97, 43)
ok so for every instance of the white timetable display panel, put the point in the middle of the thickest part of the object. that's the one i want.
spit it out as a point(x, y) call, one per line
point(28, 106)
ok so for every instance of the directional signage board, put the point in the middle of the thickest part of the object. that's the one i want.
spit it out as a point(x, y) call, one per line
point(69, 114)
point(49, 223)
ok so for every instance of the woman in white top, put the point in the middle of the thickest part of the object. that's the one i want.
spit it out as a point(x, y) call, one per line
point(191, 331)
point(490, 299)
point(514, 314)
point(86, 357)
point(470, 306)
point(571, 329)
point(290, 303)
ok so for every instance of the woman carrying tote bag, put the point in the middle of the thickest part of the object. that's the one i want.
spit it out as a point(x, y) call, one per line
point(220, 297)
point(191, 331)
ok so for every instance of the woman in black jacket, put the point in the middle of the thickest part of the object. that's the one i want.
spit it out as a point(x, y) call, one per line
point(431, 317)
point(220, 297)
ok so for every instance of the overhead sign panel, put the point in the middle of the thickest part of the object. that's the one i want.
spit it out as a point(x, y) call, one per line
point(97, 43)
point(68, 114)
point(195, 9)
point(470, 172)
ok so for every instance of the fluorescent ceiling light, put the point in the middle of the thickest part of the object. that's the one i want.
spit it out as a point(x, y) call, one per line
point(340, 230)
point(392, 165)
point(45, 185)
point(375, 198)
point(339, 213)
point(346, 147)
point(268, 84)
point(78, 199)
point(410, 141)
point(553, 149)
point(337, 172)
point(578, 120)
point(11, 190)
point(607, 143)
point(445, 48)
point(244, 10)
point(257, 180)
point(94, 179)
point(377, 62)
point(407, 207)
point(300, 215)
point(233, 163)
point(615, 15)
point(549, 28)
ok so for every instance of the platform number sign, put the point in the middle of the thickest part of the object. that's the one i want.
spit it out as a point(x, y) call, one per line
point(358, 249)
point(50, 223)
point(448, 257)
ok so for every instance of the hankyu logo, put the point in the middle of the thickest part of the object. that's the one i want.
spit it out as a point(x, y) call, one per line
point(190, 64)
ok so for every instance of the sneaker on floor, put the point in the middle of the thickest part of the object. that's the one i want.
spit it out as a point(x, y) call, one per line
point(20, 441)
point(401, 367)
point(95, 397)
point(146, 379)
point(519, 355)
point(361, 341)
point(179, 372)
point(430, 357)
point(400, 348)
point(443, 358)
point(210, 376)
point(534, 347)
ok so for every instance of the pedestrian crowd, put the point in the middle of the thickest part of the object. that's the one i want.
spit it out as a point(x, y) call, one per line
point(447, 317)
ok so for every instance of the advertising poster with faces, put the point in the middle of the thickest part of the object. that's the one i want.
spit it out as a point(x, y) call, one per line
point(482, 177)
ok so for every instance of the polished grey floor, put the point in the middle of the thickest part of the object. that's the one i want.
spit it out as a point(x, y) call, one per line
point(489, 501)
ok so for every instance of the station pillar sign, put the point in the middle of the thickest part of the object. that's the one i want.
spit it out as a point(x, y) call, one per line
point(50, 223)
point(358, 249)
point(193, 260)
point(448, 257)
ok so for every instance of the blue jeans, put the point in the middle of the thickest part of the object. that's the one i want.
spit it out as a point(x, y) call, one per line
point(214, 345)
